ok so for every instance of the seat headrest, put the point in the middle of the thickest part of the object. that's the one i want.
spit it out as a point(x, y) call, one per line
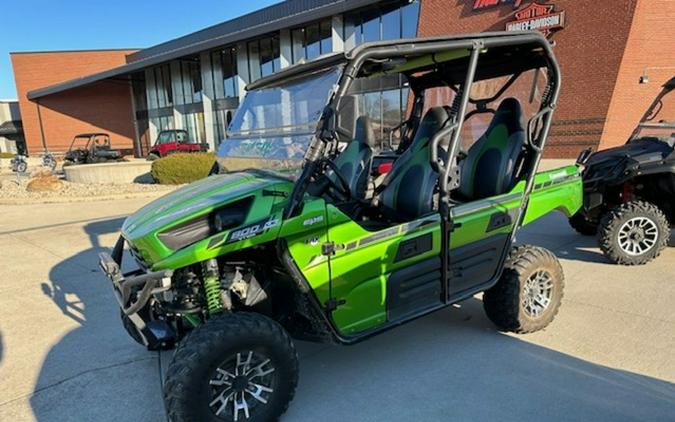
point(510, 113)
point(363, 131)
point(432, 122)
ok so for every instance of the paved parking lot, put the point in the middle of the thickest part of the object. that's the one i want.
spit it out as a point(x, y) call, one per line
point(609, 355)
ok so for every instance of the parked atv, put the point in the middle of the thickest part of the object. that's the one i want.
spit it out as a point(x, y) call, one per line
point(91, 148)
point(301, 245)
point(19, 163)
point(49, 161)
point(172, 141)
point(629, 190)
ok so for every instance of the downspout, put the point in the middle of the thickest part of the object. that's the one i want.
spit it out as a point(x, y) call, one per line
point(42, 130)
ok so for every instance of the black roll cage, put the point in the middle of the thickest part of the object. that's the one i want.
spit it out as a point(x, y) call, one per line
point(538, 126)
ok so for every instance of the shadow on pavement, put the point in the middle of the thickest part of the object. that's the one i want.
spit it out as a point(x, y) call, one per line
point(451, 365)
point(95, 372)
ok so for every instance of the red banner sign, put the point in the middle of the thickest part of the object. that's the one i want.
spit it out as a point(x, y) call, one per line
point(537, 17)
point(485, 4)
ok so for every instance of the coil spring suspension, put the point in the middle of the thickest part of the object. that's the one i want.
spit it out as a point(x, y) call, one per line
point(212, 287)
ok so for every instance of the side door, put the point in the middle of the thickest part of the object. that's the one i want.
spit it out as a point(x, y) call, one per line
point(480, 236)
point(384, 275)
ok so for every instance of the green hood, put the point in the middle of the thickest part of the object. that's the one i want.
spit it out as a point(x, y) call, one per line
point(195, 200)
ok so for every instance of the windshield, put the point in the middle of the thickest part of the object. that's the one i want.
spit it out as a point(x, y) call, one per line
point(169, 136)
point(660, 118)
point(273, 126)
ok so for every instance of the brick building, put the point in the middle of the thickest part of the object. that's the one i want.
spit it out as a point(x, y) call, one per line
point(195, 82)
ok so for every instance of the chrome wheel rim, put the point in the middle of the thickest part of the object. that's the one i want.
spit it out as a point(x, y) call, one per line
point(638, 236)
point(241, 386)
point(537, 293)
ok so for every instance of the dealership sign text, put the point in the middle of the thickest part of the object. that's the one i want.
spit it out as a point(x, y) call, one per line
point(537, 17)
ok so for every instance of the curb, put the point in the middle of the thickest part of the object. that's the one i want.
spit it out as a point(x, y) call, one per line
point(72, 199)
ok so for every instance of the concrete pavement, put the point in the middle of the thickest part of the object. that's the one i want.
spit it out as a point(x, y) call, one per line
point(607, 356)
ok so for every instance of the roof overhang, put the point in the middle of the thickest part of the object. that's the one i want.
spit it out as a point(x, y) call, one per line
point(279, 16)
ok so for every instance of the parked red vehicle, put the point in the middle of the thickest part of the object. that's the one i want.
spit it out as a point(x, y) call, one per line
point(172, 141)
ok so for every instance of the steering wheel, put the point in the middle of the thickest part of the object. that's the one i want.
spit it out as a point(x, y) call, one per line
point(343, 186)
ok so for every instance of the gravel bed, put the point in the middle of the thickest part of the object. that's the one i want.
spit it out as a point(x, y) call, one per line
point(13, 190)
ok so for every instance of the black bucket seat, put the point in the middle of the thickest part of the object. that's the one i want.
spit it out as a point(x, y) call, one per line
point(408, 190)
point(492, 162)
point(353, 162)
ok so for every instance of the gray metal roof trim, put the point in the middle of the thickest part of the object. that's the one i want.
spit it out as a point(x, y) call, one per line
point(273, 18)
point(330, 8)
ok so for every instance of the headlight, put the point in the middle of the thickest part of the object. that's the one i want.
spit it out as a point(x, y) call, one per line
point(207, 225)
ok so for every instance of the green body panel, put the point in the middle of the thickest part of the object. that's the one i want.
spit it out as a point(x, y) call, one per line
point(364, 259)
point(195, 200)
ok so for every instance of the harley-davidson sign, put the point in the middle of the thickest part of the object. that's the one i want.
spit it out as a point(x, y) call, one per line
point(537, 17)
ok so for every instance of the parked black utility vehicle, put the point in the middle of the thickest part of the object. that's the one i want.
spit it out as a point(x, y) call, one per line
point(629, 191)
point(89, 148)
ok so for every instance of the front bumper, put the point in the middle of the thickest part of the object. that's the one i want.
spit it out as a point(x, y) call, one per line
point(133, 291)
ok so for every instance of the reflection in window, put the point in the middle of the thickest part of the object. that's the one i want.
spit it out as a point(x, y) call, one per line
point(311, 41)
point(163, 94)
point(384, 23)
point(263, 57)
point(224, 66)
point(191, 81)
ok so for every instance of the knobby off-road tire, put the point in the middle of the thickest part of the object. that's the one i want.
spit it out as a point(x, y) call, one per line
point(527, 296)
point(582, 225)
point(208, 359)
point(633, 233)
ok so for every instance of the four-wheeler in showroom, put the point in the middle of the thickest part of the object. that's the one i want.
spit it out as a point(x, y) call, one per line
point(629, 191)
point(312, 244)
point(90, 148)
point(172, 141)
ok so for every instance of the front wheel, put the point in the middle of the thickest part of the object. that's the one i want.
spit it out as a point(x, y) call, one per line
point(527, 296)
point(235, 367)
point(633, 233)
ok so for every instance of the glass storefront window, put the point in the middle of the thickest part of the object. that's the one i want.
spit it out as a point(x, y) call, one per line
point(191, 81)
point(263, 57)
point(312, 41)
point(164, 93)
point(385, 23)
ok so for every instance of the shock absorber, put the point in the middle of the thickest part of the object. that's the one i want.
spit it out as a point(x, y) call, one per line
point(212, 286)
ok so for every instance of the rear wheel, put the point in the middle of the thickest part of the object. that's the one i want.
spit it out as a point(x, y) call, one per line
point(235, 367)
point(527, 296)
point(633, 233)
point(21, 167)
point(581, 224)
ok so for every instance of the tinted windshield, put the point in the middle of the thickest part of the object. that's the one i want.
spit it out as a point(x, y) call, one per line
point(273, 126)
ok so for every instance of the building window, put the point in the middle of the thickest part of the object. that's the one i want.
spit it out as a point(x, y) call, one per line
point(384, 99)
point(191, 81)
point(312, 41)
point(263, 57)
point(398, 20)
point(163, 92)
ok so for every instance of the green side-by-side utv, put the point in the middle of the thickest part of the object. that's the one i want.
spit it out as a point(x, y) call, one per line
point(356, 192)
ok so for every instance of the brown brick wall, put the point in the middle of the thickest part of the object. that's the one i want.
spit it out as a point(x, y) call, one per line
point(102, 107)
point(651, 45)
point(589, 50)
